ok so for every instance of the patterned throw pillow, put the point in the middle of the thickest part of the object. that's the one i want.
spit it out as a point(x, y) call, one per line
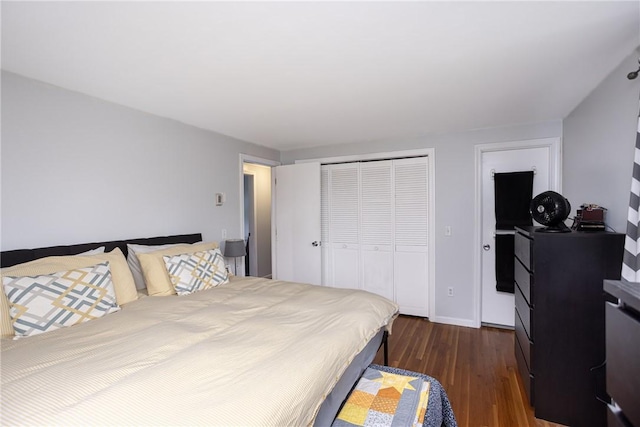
point(44, 303)
point(197, 271)
point(154, 268)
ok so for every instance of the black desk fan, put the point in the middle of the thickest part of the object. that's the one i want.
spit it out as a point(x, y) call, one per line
point(550, 209)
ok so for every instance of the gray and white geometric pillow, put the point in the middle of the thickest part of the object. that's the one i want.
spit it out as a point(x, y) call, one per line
point(44, 303)
point(197, 271)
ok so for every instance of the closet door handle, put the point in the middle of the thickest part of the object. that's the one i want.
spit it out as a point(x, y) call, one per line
point(486, 247)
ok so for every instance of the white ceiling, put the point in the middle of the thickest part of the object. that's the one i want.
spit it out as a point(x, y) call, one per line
point(300, 74)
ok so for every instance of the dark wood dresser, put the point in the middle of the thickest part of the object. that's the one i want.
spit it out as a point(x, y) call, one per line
point(559, 321)
point(623, 353)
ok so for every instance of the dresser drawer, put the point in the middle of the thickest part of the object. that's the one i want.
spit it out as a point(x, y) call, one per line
point(523, 370)
point(524, 280)
point(522, 248)
point(526, 345)
point(623, 360)
point(524, 312)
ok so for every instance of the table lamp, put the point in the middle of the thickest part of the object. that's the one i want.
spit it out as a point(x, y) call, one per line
point(234, 248)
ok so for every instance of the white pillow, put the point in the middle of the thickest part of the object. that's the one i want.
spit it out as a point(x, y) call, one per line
point(134, 263)
point(95, 251)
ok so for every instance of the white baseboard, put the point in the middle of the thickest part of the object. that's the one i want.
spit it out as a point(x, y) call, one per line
point(453, 321)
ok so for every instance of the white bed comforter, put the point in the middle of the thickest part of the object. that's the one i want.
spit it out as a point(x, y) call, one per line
point(251, 352)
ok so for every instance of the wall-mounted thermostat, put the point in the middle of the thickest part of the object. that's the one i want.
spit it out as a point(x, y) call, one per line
point(220, 199)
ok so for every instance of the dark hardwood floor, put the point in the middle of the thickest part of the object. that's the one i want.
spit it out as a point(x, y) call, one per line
point(477, 368)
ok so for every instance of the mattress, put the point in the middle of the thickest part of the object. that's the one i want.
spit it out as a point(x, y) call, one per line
point(251, 352)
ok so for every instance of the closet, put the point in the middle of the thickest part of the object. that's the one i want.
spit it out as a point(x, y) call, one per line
point(374, 229)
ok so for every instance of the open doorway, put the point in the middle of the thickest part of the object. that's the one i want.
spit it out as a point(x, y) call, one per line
point(256, 216)
point(251, 264)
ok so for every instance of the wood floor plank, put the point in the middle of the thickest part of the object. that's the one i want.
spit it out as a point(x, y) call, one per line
point(477, 368)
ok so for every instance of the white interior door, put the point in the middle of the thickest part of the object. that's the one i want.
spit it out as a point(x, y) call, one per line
point(498, 307)
point(297, 223)
point(375, 229)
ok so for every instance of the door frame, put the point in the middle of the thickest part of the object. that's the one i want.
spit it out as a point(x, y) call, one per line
point(430, 153)
point(555, 179)
point(247, 158)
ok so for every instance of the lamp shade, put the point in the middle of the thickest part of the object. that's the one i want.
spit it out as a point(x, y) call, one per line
point(234, 248)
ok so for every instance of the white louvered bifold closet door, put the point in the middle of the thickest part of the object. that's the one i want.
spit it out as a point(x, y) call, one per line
point(376, 227)
point(344, 218)
point(411, 235)
point(375, 222)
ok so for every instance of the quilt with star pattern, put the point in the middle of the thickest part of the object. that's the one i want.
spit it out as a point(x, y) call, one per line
point(386, 396)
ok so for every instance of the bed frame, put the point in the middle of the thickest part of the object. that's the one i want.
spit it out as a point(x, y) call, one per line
point(18, 256)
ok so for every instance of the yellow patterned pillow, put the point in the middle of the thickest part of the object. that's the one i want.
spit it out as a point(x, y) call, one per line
point(121, 276)
point(155, 271)
point(194, 272)
point(47, 302)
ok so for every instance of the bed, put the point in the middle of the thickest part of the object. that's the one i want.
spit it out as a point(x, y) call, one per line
point(248, 351)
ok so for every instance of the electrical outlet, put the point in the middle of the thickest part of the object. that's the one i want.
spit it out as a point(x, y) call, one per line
point(450, 291)
point(224, 233)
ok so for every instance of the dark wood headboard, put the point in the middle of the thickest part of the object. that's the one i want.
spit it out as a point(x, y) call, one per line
point(18, 256)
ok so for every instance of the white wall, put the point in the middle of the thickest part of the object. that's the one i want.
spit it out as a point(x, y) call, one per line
point(76, 169)
point(599, 140)
point(139, 175)
point(454, 200)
